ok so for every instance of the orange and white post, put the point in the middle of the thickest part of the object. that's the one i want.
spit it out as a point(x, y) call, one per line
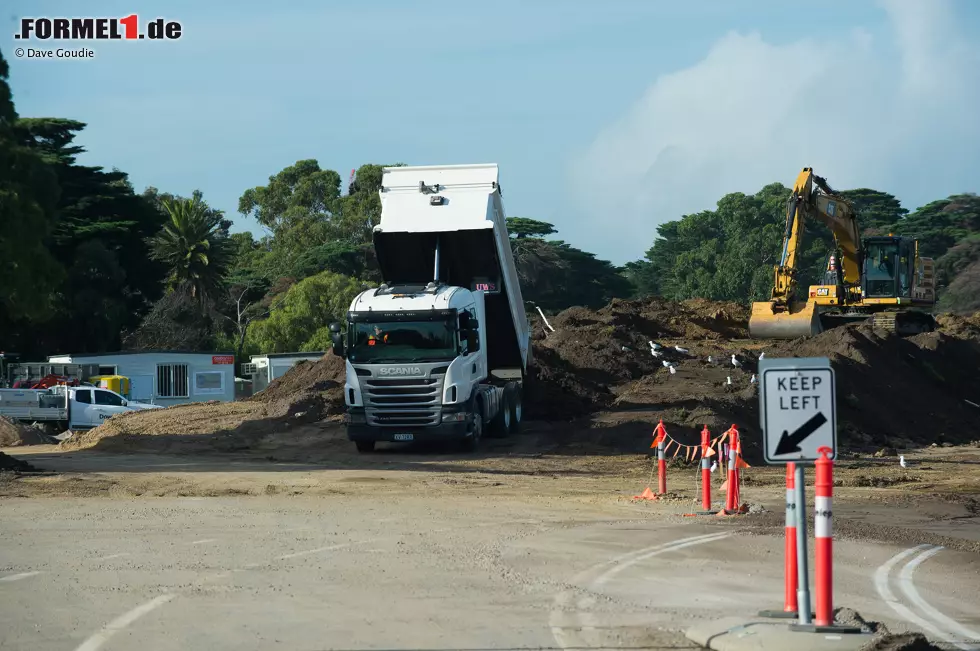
point(823, 568)
point(662, 465)
point(705, 469)
point(731, 496)
point(789, 603)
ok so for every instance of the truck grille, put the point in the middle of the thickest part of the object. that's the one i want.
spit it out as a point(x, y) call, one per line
point(403, 402)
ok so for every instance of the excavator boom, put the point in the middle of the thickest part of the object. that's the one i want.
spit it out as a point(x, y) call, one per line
point(783, 316)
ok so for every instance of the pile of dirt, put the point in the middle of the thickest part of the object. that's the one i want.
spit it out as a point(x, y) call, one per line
point(10, 463)
point(13, 433)
point(891, 391)
point(960, 327)
point(900, 642)
point(308, 393)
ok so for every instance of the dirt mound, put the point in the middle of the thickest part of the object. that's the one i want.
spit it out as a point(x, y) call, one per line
point(901, 642)
point(898, 391)
point(892, 391)
point(13, 433)
point(308, 393)
point(10, 463)
point(960, 327)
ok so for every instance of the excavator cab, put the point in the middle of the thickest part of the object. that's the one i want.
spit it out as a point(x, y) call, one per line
point(881, 268)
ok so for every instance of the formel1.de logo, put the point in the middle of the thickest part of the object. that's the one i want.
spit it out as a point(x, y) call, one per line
point(98, 29)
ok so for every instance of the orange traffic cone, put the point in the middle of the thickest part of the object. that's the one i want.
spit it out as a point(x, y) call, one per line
point(647, 494)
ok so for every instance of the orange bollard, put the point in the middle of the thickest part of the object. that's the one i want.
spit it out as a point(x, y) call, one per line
point(823, 569)
point(705, 469)
point(791, 577)
point(730, 496)
point(661, 468)
point(789, 552)
point(737, 444)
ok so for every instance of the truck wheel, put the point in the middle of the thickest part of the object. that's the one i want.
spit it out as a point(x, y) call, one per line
point(364, 446)
point(516, 406)
point(472, 442)
point(501, 425)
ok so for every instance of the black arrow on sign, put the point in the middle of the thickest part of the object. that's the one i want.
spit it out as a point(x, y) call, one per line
point(790, 443)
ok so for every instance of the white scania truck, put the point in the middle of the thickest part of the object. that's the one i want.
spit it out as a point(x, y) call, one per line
point(440, 350)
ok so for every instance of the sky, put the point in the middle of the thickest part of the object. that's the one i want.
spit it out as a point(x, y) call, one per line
point(606, 119)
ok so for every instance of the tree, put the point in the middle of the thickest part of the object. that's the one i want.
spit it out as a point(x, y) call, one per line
point(876, 211)
point(99, 237)
point(178, 321)
point(299, 322)
point(523, 227)
point(29, 194)
point(728, 253)
point(192, 247)
point(313, 227)
point(555, 275)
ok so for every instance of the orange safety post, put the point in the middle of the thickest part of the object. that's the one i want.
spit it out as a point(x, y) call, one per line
point(790, 549)
point(661, 468)
point(730, 496)
point(705, 469)
point(823, 553)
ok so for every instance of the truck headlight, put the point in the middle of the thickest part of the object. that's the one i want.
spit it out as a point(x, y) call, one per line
point(454, 417)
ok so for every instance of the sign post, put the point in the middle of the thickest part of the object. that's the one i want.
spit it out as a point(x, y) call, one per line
point(799, 417)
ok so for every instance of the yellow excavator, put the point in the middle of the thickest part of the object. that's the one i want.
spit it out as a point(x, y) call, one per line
point(882, 278)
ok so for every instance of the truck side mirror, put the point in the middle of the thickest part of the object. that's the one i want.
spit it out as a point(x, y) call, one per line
point(338, 340)
point(464, 321)
point(473, 340)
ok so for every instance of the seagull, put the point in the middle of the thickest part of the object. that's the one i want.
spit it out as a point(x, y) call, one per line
point(752, 381)
point(655, 353)
point(729, 380)
point(901, 461)
point(655, 346)
point(624, 348)
point(672, 370)
point(714, 466)
point(735, 362)
point(666, 364)
point(682, 351)
point(710, 360)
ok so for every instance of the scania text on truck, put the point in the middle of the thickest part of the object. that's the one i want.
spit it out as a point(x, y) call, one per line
point(441, 349)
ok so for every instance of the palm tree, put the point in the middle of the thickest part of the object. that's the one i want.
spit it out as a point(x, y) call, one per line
point(193, 246)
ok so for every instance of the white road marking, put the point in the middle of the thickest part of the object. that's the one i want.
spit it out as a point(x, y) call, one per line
point(98, 639)
point(110, 556)
point(885, 592)
point(206, 540)
point(585, 621)
point(908, 587)
point(324, 549)
point(17, 577)
point(101, 637)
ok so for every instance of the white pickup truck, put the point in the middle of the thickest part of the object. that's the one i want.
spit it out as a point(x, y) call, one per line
point(73, 408)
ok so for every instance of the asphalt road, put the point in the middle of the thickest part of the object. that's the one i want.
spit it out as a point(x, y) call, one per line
point(413, 568)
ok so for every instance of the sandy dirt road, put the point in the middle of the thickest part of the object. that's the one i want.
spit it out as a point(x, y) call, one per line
point(416, 552)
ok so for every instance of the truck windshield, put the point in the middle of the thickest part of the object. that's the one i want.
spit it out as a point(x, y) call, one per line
point(402, 341)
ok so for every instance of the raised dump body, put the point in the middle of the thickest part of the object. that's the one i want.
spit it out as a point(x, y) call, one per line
point(457, 208)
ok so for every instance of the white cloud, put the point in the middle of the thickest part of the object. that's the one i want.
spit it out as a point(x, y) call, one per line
point(896, 113)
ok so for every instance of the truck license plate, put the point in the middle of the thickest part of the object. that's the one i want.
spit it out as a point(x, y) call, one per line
point(404, 437)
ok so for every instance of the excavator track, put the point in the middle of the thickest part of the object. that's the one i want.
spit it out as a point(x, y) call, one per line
point(904, 324)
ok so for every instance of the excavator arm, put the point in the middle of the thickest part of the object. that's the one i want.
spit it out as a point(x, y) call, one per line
point(785, 316)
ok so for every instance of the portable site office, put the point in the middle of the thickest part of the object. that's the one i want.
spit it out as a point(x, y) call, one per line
point(166, 377)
